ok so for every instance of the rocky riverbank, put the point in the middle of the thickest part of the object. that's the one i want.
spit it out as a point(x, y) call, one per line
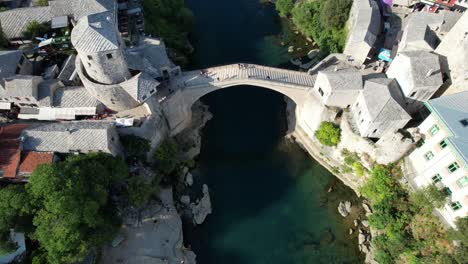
point(360, 222)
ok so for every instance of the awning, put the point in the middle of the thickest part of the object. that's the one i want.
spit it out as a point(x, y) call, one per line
point(385, 55)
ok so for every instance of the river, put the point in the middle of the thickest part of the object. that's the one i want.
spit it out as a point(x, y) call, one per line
point(270, 199)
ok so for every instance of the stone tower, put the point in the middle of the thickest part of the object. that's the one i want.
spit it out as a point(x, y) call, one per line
point(100, 49)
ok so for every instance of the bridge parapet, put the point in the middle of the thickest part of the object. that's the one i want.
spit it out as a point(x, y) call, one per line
point(245, 73)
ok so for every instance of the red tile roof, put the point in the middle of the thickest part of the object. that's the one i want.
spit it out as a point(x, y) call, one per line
point(12, 131)
point(30, 160)
point(10, 152)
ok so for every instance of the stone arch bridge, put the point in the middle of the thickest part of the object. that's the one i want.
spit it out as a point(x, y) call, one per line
point(178, 96)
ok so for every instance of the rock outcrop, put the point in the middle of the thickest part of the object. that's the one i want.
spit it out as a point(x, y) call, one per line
point(202, 208)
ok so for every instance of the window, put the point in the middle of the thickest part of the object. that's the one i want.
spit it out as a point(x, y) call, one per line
point(90, 57)
point(436, 178)
point(375, 130)
point(320, 91)
point(152, 91)
point(359, 114)
point(429, 155)
point(27, 99)
point(420, 143)
point(109, 56)
point(463, 181)
point(434, 129)
point(443, 144)
point(357, 104)
point(464, 122)
point(447, 191)
point(453, 167)
point(455, 205)
point(412, 94)
point(362, 121)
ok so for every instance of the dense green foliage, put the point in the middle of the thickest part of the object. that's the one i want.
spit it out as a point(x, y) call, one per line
point(35, 29)
point(42, 2)
point(139, 191)
point(328, 134)
point(170, 20)
point(284, 7)
point(73, 212)
point(410, 233)
point(6, 244)
point(323, 21)
point(14, 208)
point(135, 147)
point(166, 157)
point(352, 162)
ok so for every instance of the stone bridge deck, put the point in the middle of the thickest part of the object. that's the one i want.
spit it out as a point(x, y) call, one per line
point(223, 76)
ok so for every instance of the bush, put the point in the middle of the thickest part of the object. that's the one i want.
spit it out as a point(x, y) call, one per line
point(284, 7)
point(35, 29)
point(328, 134)
point(166, 157)
point(135, 146)
point(42, 2)
point(139, 191)
point(428, 198)
point(323, 21)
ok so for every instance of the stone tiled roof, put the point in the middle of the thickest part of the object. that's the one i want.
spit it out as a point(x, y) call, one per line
point(68, 137)
point(149, 56)
point(345, 79)
point(8, 61)
point(46, 91)
point(14, 21)
point(68, 68)
point(383, 100)
point(413, 67)
point(367, 23)
point(71, 97)
point(140, 86)
point(22, 86)
point(30, 161)
point(95, 33)
point(452, 110)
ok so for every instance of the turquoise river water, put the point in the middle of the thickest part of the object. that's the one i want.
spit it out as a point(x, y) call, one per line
point(270, 199)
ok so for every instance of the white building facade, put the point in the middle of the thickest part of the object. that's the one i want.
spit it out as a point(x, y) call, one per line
point(441, 159)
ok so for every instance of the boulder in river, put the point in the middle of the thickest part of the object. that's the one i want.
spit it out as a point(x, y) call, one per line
point(344, 208)
point(189, 179)
point(291, 49)
point(202, 208)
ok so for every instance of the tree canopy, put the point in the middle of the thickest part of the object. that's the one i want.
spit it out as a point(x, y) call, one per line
point(166, 157)
point(323, 21)
point(170, 20)
point(135, 146)
point(74, 212)
point(328, 134)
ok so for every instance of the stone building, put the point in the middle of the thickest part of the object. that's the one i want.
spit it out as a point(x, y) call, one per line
point(419, 75)
point(442, 159)
point(424, 30)
point(364, 26)
point(338, 88)
point(13, 62)
point(72, 137)
point(454, 55)
point(379, 108)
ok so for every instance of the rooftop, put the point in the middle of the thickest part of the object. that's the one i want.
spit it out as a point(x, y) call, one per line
point(72, 97)
point(452, 111)
point(384, 100)
point(344, 79)
point(8, 62)
point(30, 160)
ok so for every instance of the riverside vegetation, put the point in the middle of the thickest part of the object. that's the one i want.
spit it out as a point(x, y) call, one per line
point(323, 21)
point(70, 209)
point(173, 22)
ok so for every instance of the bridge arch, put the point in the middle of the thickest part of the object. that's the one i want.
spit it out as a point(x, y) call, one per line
point(191, 86)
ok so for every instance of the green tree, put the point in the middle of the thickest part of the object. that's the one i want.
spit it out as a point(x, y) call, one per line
point(328, 134)
point(15, 209)
point(42, 2)
point(380, 186)
point(3, 39)
point(35, 29)
point(166, 157)
point(139, 191)
point(74, 210)
point(135, 146)
point(284, 7)
point(170, 20)
point(335, 13)
point(6, 244)
point(428, 198)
